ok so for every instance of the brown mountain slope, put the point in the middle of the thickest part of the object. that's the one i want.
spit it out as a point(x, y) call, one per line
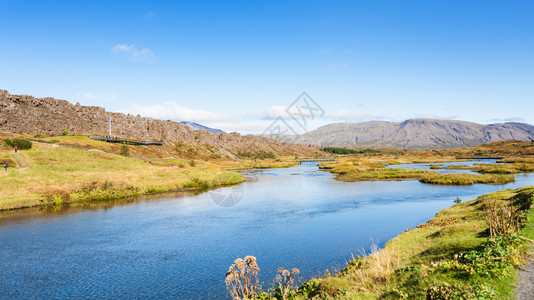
point(26, 114)
point(416, 134)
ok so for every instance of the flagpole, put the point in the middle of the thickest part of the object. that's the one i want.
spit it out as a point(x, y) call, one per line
point(110, 126)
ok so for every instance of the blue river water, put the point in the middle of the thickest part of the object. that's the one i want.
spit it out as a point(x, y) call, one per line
point(181, 246)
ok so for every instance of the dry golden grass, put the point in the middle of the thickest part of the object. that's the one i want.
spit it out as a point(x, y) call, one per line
point(69, 169)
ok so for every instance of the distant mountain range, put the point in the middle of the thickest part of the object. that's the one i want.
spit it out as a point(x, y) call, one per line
point(416, 134)
point(196, 126)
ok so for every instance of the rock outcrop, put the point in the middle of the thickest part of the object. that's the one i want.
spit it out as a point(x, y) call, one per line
point(26, 114)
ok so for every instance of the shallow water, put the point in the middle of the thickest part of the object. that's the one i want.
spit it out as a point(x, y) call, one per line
point(181, 246)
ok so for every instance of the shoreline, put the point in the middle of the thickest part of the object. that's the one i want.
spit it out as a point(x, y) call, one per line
point(137, 195)
point(425, 259)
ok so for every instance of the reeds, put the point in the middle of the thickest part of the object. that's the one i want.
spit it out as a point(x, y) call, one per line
point(374, 270)
point(502, 217)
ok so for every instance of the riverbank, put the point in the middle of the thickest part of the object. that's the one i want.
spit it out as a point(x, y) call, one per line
point(56, 175)
point(449, 257)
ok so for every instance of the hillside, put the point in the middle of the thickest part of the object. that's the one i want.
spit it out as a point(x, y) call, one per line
point(416, 134)
point(49, 116)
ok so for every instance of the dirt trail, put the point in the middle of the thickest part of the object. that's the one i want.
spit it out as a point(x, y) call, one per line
point(525, 285)
point(21, 160)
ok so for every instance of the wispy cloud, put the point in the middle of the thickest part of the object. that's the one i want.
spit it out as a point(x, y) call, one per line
point(512, 119)
point(275, 111)
point(173, 111)
point(255, 122)
point(149, 15)
point(428, 116)
point(133, 53)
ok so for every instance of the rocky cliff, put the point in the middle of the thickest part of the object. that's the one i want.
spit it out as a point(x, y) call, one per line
point(417, 134)
point(26, 114)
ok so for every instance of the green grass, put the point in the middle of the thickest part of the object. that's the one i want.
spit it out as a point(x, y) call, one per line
point(459, 167)
point(465, 179)
point(505, 168)
point(382, 174)
point(58, 171)
point(449, 255)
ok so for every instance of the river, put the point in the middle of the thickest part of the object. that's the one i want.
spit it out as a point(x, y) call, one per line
point(181, 246)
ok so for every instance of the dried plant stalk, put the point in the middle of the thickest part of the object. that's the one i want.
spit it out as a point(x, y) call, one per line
point(242, 278)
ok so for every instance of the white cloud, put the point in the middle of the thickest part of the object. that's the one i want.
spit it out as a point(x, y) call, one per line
point(255, 122)
point(276, 111)
point(123, 47)
point(512, 119)
point(430, 116)
point(133, 52)
point(173, 111)
point(142, 54)
point(243, 127)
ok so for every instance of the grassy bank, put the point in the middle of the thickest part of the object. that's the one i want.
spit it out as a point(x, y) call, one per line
point(464, 179)
point(505, 168)
point(55, 175)
point(449, 257)
point(383, 174)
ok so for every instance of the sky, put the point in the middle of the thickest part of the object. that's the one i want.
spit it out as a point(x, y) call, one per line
point(239, 65)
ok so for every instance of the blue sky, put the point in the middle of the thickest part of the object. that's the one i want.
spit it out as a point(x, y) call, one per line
point(235, 65)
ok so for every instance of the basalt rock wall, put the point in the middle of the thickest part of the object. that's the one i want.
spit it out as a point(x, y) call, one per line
point(27, 114)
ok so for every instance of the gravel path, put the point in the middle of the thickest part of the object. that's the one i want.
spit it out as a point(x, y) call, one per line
point(525, 285)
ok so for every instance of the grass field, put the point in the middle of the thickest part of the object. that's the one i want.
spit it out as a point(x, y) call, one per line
point(55, 175)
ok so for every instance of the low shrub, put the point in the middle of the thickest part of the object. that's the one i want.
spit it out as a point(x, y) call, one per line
point(107, 190)
point(54, 196)
point(125, 150)
point(21, 144)
point(459, 291)
point(261, 154)
point(195, 182)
